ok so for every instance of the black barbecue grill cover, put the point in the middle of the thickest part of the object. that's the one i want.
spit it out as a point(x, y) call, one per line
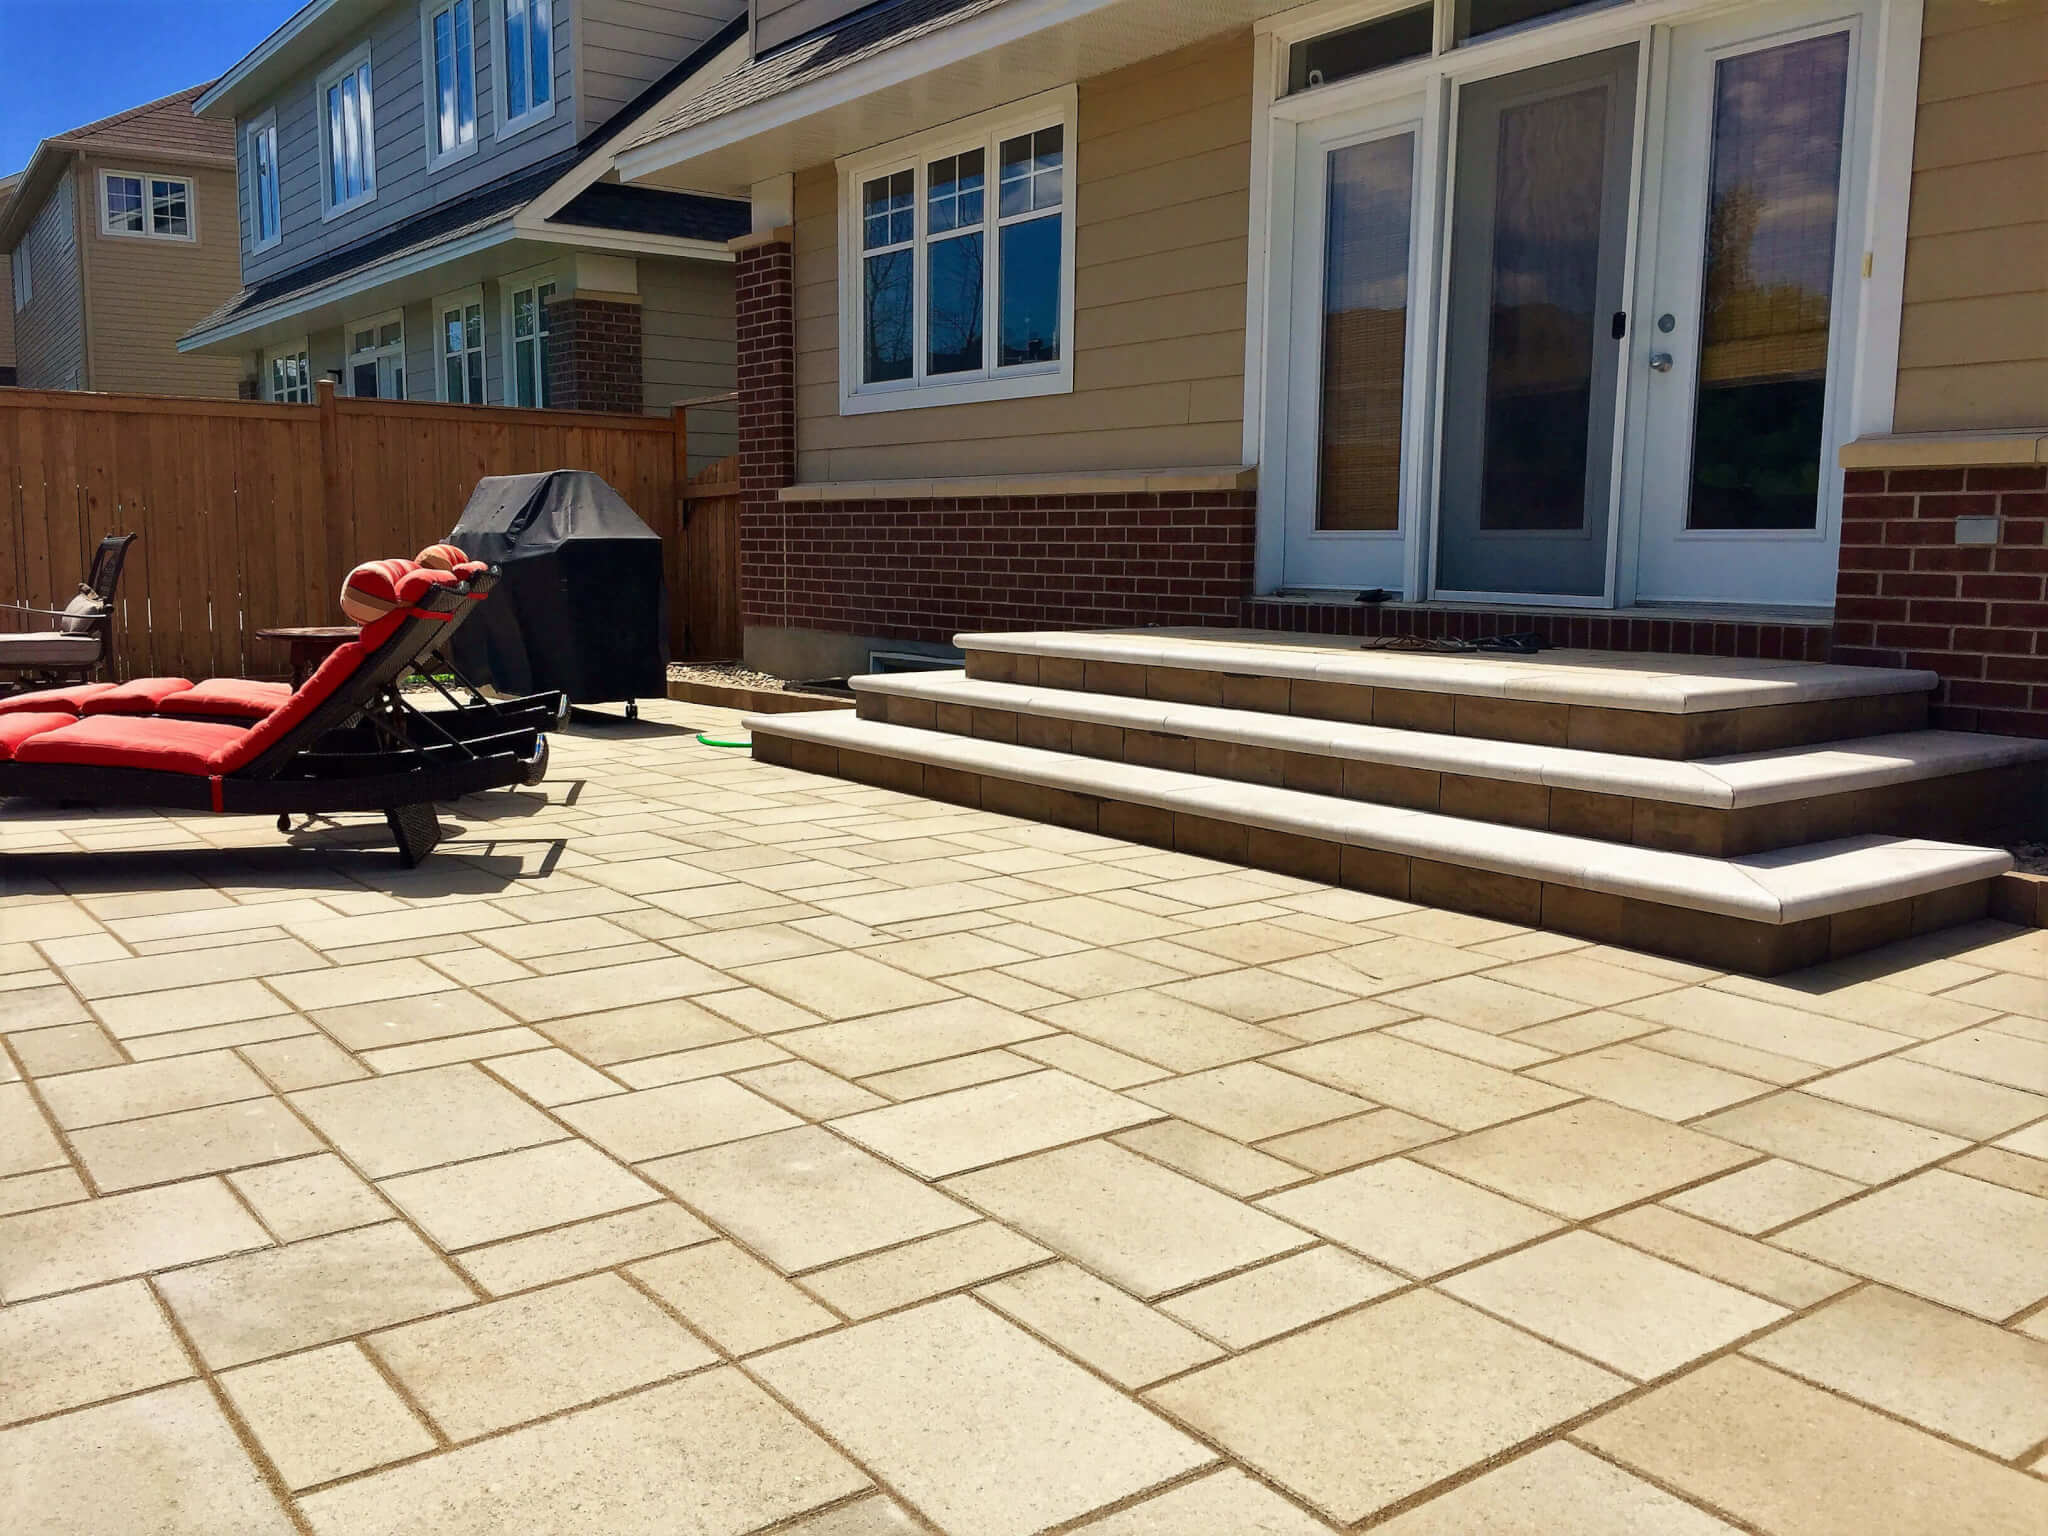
point(581, 605)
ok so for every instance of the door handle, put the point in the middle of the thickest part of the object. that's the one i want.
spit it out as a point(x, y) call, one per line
point(1660, 362)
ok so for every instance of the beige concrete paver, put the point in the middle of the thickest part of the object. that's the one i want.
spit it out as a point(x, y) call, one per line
point(1223, 1503)
point(1411, 1218)
point(930, 1266)
point(949, 1132)
point(68, 1246)
point(191, 1141)
point(1835, 1138)
point(1764, 1195)
point(974, 1422)
point(1254, 1306)
point(465, 1204)
point(64, 1351)
point(1555, 1488)
point(1129, 1342)
point(734, 1300)
point(418, 1119)
point(1400, 1074)
point(324, 1414)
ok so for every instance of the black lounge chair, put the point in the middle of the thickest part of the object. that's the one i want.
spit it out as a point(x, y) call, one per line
point(345, 740)
point(83, 638)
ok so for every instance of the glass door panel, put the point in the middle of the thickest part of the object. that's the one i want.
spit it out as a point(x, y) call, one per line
point(1540, 201)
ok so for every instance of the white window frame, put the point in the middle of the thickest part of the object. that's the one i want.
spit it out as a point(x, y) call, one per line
point(461, 300)
point(357, 61)
point(275, 355)
point(258, 132)
point(509, 122)
point(429, 84)
point(509, 289)
point(147, 180)
point(24, 279)
point(985, 131)
point(353, 358)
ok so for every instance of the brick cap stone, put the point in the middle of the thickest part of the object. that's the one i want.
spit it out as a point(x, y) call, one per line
point(1947, 450)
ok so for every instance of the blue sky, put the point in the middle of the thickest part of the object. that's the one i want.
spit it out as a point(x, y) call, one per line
point(71, 61)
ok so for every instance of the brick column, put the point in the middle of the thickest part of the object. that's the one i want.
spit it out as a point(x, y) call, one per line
point(764, 303)
point(594, 355)
point(1947, 569)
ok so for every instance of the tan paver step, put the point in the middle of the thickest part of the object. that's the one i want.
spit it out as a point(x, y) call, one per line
point(1608, 701)
point(1763, 912)
point(1946, 784)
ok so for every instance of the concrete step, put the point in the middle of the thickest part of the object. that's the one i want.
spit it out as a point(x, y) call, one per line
point(1945, 784)
point(1602, 701)
point(1761, 913)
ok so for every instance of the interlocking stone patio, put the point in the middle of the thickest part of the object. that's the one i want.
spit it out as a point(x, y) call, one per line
point(698, 1146)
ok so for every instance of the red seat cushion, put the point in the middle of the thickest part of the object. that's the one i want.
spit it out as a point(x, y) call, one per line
point(17, 727)
point(333, 673)
point(416, 584)
point(237, 697)
point(440, 557)
point(45, 700)
point(121, 741)
point(140, 696)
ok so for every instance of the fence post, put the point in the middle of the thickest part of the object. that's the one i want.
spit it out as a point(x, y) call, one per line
point(333, 544)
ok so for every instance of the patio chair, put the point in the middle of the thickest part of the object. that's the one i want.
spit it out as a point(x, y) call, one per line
point(83, 638)
point(345, 740)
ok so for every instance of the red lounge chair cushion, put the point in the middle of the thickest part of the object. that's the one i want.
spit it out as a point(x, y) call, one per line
point(441, 557)
point(120, 741)
point(371, 589)
point(336, 670)
point(17, 727)
point(46, 700)
point(416, 584)
point(235, 697)
point(141, 696)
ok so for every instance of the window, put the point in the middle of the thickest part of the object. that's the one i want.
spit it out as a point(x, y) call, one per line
point(287, 376)
point(265, 205)
point(1375, 44)
point(960, 264)
point(24, 285)
point(449, 44)
point(528, 306)
point(376, 358)
point(348, 149)
point(526, 44)
point(462, 348)
point(152, 207)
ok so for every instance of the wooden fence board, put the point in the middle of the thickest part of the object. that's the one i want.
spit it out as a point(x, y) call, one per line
point(249, 514)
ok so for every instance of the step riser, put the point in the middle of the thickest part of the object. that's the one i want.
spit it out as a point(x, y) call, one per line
point(1638, 732)
point(1993, 805)
point(1725, 943)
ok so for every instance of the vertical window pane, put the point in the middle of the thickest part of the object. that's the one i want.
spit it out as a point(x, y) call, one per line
point(366, 126)
point(352, 140)
point(954, 197)
point(1365, 334)
point(444, 79)
point(1032, 170)
point(1546, 262)
point(451, 373)
point(1476, 18)
point(1768, 285)
point(887, 318)
point(465, 74)
point(889, 210)
point(170, 208)
point(1030, 297)
point(541, 32)
point(1371, 45)
point(515, 58)
point(337, 148)
point(542, 294)
point(473, 326)
point(954, 307)
point(476, 378)
point(522, 357)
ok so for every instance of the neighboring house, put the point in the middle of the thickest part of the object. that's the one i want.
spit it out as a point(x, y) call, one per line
point(1616, 320)
point(426, 213)
point(7, 185)
point(116, 237)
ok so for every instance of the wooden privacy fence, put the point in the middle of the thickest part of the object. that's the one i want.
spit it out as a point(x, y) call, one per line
point(251, 514)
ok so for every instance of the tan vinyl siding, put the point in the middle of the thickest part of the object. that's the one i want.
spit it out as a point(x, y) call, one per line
point(687, 348)
point(626, 45)
point(1973, 345)
point(144, 293)
point(1163, 170)
point(49, 336)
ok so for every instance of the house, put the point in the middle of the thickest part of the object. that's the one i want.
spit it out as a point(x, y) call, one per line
point(428, 210)
point(7, 186)
point(117, 236)
point(1645, 324)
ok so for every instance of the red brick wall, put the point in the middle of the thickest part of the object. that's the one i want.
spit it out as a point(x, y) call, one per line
point(925, 570)
point(1684, 637)
point(764, 300)
point(1910, 596)
point(594, 356)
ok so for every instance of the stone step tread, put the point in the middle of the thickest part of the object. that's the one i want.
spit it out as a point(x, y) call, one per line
point(1657, 683)
point(1783, 886)
point(1720, 783)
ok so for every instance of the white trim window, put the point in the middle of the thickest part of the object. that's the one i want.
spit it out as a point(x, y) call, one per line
point(24, 280)
point(348, 133)
point(266, 202)
point(526, 51)
point(527, 347)
point(460, 330)
point(957, 278)
point(448, 50)
point(141, 205)
point(288, 375)
point(376, 357)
